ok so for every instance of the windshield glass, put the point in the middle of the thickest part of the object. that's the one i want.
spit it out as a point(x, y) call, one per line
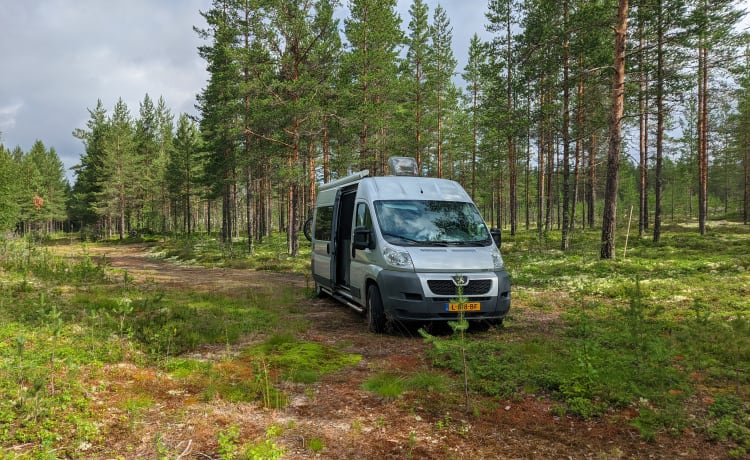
point(432, 223)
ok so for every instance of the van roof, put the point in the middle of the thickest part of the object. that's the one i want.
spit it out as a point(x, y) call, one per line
point(394, 188)
point(411, 188)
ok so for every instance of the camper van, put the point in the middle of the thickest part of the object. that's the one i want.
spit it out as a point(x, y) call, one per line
point(402, 248)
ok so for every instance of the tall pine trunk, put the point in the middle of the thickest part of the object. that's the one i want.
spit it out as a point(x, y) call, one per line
point(702, 136)
point(746, 163)
point(659, 123)
point(578, 152)
point(643, 138)
point(565, 243)
point(591, 198)
point(512, 167)
point(540, 181)
point(609, 217)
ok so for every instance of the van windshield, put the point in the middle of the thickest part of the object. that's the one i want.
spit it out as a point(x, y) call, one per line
point(431, 223)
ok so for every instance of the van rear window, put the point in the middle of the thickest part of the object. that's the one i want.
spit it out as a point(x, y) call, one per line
point(323, 223)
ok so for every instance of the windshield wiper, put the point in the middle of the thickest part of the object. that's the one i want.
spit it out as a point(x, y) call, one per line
point(443, 243)
point(405, 238)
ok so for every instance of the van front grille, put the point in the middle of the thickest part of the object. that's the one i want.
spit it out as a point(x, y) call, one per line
point(447, 287)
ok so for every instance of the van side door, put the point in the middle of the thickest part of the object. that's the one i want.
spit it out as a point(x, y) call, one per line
point(321, 246)
point(341, 239)
point(361, 258)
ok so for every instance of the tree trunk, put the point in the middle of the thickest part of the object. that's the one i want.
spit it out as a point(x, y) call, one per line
point(746, 182)
point(512, 169)
point(643, 138)
point(702, 136)
point(474, 137)
point(549, 134)
point(540, 179)
point(565, 243)
point(746, 162)
point(658, 184)
point(593, 147)
point(527, 203)
point(578, 151)
point(249, 209)
point(609, 218)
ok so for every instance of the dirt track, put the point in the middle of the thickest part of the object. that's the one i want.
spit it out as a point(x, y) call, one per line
point(354, 423)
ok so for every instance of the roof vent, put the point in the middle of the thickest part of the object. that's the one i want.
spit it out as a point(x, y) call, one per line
point(403, 166)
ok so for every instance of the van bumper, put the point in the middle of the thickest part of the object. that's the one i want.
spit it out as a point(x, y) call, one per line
point(409, 296)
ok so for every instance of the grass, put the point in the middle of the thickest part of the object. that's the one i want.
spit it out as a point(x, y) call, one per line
point(270, 255)
point(68, 323)
point(662, 334)
point(391, 386)
point(300, 361)
point(667, 323)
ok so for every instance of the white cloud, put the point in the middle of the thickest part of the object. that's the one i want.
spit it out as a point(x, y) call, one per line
point(8, 115)
point(61, 56)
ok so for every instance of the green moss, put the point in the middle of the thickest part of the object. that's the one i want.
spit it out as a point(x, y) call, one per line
point(301, 361)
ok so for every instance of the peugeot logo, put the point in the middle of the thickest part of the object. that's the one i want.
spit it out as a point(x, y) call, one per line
point(460, 280)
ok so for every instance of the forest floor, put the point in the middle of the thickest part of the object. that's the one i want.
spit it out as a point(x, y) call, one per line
point(335, 418)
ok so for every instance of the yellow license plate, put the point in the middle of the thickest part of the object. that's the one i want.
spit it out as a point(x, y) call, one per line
point(466, 306)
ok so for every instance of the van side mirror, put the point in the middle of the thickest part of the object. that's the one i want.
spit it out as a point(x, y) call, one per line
point(363, 239)
point(497, 236)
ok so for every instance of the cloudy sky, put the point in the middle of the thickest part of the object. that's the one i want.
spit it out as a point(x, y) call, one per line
point(60, 56)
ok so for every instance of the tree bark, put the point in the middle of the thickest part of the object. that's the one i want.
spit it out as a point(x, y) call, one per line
point(565, 243)
point(702, 136)
point(643, 138)
point(512, 167)
point(609, 218)
point(593, 147)
point(659, 123)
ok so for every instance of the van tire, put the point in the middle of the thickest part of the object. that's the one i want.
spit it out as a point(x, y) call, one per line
point(376, 320)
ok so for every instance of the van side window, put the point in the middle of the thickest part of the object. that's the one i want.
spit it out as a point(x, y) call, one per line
point(363, 216)
point(323, 223)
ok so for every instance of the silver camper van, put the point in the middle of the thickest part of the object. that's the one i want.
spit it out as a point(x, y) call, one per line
point(400, 248)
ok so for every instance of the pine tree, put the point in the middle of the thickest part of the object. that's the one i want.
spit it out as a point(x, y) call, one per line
point(9, 201)
point(501, 22)
point(473, 77)
point(299, 38)
point(115, 198)
point(164, 141)
point(716, 42)
point(90, 170)
point(374, 35)
point(182, 171)
point(29, 185)
point(219, 104)
point(615, 133)
point(741, 128)
point(146, 158)
point(415, 81)
point(442, 68)
point(52, 186)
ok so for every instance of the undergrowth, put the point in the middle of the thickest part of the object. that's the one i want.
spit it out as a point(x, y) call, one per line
point(661, 335)
point(65, 320)
point(644, 334)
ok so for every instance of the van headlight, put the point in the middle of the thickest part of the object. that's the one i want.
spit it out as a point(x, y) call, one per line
point(497, 260)
point(397, 258)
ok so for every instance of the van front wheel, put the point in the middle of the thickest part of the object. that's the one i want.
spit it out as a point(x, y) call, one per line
point(375, 313)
